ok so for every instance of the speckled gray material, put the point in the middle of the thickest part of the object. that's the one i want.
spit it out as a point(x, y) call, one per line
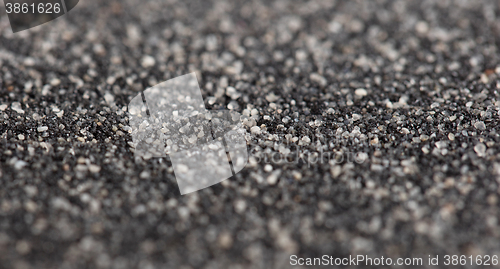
point(411, 86)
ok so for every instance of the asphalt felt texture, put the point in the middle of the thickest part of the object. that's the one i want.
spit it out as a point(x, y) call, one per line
point(408, 88)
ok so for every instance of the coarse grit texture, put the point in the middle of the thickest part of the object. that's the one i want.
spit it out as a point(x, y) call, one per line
point(387, 113)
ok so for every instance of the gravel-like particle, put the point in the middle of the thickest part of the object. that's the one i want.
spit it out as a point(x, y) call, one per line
point(148, 61)
point(272, 179)
point(255, 130)
point(361, 92)
point(480, 125)
point(480, 149)
point(16, 106)
point(42, 128)
point(94, 168)
point(20, 164)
